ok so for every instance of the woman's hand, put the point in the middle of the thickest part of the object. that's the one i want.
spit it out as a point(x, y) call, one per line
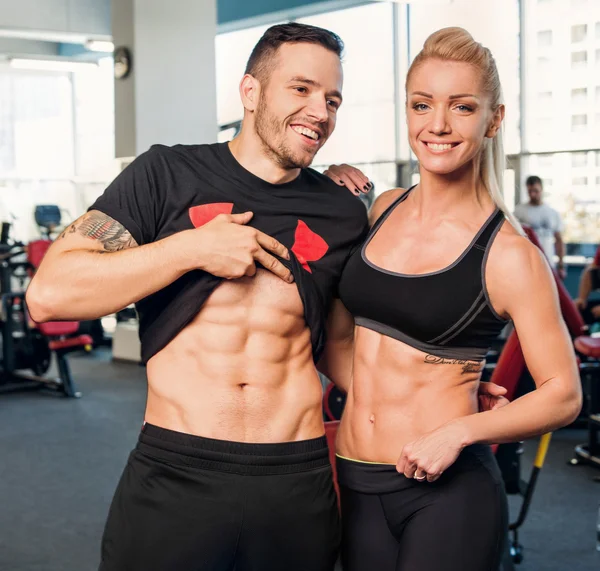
point(431, 455)
point(352, 178)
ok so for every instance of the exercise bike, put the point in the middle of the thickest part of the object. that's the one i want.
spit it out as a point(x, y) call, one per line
point(48, 218)
point(27, 347)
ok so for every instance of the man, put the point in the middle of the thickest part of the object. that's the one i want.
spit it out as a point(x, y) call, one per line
point(545, 221)
point(231, 470)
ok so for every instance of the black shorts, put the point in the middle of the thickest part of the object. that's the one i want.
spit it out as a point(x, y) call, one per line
point(186, 503)
point(392, 523)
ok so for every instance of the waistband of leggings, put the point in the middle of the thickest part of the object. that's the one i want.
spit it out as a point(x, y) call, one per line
point(243, 458)
point(374, 478)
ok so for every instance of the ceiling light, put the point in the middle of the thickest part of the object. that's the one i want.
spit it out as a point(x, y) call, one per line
point(100, 46)
point(64, 65)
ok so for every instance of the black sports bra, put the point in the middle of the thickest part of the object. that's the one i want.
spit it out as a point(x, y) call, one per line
point(446, 313)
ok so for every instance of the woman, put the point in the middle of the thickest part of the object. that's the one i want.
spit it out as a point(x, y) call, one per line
point(439, 276)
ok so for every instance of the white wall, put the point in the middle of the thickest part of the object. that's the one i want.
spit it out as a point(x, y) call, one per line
point(170, 96)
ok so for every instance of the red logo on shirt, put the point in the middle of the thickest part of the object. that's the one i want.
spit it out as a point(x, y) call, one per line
point(308, 246)
point(203, 214)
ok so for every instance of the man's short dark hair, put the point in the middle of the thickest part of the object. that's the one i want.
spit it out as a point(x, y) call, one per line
point(531, 180)
point(262, 58)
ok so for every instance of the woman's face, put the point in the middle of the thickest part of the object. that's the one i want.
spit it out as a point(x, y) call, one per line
point(448, 115)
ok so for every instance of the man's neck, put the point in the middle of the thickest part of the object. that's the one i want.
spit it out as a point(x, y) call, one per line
point(249, 150)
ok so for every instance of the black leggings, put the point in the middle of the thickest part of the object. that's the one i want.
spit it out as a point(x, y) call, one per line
point(186, 503)
point(391, 523)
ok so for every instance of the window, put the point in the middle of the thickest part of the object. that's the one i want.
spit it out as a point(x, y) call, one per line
point(545, 98)
point(598, 57)
point(578, 60)
point(578, 160)
point(580, 181)
point(579, 96)
point(544, 38)
point(578, 33)
point(598, 181)
point(36, 125)
point(578, 123)
point(94, 120)
point(598, 30)
point(543, 63)
point(232, 50)
point(369, 96)
point(598, 95)
point(543, 125)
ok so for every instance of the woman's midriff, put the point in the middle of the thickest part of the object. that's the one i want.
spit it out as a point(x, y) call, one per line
point(399, 394)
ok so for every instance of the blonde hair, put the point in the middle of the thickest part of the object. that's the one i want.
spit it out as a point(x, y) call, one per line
point(456, 44)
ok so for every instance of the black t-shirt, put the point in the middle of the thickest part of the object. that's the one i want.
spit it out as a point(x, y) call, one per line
point(171, 189)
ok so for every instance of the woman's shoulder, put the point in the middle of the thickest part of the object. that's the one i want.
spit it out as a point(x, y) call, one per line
point(383, 202)
point(516, 261)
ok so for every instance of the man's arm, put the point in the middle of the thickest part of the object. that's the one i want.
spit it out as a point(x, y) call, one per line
point(585, 286)
point(559, 246)
point(336, 361)
point(96, 267)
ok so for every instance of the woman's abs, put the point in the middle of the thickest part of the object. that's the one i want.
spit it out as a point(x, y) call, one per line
point(399, 394)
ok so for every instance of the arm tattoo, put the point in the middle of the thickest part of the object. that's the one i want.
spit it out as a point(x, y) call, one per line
point(467, 366)
point(70, 230)
point(110, 233)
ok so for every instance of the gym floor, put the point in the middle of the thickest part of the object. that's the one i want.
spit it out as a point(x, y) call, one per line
point(61, 460)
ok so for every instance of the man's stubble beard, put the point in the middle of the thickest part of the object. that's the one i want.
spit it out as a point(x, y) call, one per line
point(268, 128)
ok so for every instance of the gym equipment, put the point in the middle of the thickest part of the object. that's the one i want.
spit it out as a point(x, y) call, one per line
point(588, 349)
point(588, 354)
point(27, 346)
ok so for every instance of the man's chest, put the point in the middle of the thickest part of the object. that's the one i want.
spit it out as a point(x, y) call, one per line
point(301, 226)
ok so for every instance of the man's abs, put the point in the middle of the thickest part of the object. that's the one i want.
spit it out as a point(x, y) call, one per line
point(242, 370)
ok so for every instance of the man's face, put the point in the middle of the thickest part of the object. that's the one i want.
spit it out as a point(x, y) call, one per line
point(297, 109)
point(535, 193)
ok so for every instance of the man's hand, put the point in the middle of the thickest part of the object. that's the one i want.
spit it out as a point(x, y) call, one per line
point(491, 397)
point(226, 248)
point(350, 177)
point(580, 303)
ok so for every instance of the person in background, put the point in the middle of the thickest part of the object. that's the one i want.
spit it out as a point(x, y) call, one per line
point(590, 281)
point(545, 222)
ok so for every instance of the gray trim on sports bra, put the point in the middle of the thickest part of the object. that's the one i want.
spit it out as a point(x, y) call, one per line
point(461, 353)
point(386, 215)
